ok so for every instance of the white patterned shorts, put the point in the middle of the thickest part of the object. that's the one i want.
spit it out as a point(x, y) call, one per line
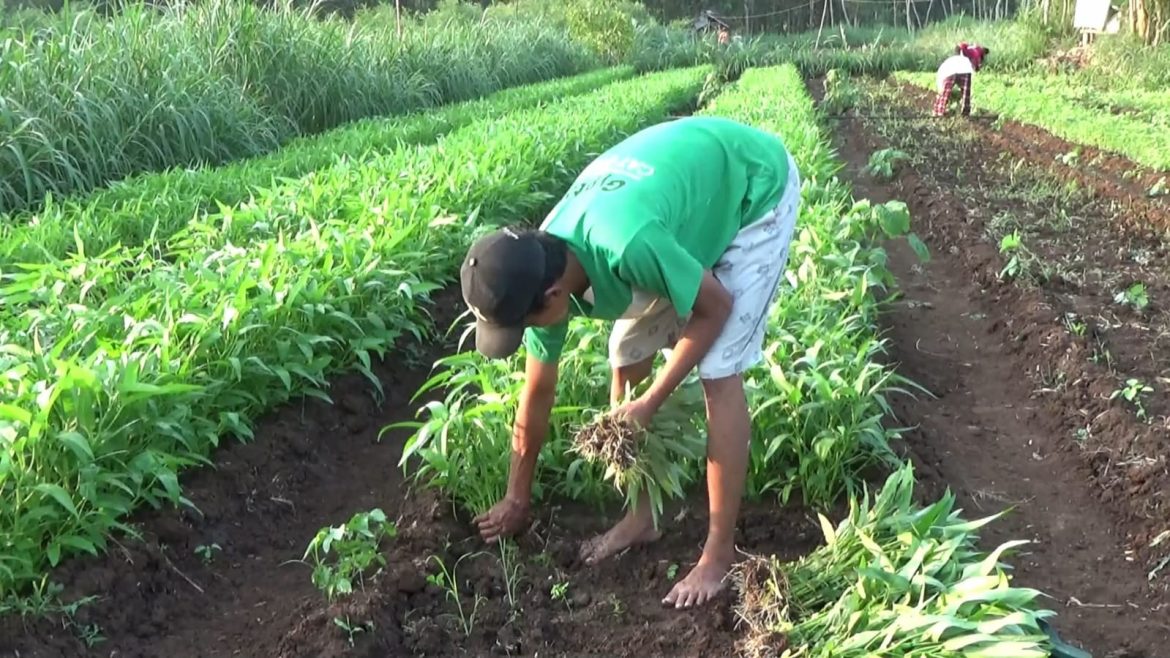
point(751, 269)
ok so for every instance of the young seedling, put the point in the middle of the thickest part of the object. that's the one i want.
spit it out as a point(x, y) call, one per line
point(206, 552)
point(1132, 392)
point(448, 581)
point(616, 607)
point(1134, 296)
point(341, 554)
point(560, 592)
point(353, 629)
point(1013, 246)
point(511, 567)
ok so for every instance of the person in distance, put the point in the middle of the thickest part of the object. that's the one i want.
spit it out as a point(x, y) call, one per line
point(679, 234)
point(958, 69)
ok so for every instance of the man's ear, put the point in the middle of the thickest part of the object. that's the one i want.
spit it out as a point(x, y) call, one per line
point(554, 292)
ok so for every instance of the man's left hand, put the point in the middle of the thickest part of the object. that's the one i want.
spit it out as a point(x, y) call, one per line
point(638, 410)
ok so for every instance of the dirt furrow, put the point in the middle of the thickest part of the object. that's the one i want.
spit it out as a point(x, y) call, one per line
point(995, 434)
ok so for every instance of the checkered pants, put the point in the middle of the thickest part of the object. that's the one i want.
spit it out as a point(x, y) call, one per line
point(964, 82)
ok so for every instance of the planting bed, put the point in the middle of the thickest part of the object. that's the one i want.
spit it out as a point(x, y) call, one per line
point(1024, 366)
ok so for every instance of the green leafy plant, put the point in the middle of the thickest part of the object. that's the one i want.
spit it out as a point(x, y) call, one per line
point(207, 552)
point(891, 574)
point(1012, 245)
point(1134, 296)
point(340, 555)
point(658, 461)
point(1132, 392)
point(841, 93)
point(883, 162)
point(604, 27)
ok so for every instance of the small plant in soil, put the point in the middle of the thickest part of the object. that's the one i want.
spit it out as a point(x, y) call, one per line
point(672, 571)
point(841, 94)
point(340, 555)
point(90, 634)
point(1012, 246)
point(616, 607)
point(1076, 326)
point(448, 581)
point(352, 630)
point(1071, 158)
point(1132, 392)
point(543, 559)
point(207, 552)
point(511, 565)
point(560, 592)
point(1134, 296)
point(883, 162)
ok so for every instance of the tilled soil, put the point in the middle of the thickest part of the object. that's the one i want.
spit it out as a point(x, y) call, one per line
point(1022, 418)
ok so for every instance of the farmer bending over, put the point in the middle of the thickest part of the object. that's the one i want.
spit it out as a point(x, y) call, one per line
point(680, 234)
point(958, 69)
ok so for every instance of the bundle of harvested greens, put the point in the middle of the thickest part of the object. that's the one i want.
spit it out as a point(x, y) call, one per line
point(660, 459)
point(891, 580)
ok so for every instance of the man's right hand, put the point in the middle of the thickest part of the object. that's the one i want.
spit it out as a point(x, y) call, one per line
point(504, 519)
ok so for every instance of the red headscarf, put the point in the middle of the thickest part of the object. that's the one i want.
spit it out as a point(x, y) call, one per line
point(975, 53)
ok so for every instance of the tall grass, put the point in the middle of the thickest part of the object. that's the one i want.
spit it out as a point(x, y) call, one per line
point(88, 99)
point(153, 206)
point(870, 50)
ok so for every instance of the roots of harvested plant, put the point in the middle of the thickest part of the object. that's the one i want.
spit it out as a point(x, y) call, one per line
point(610, 440)
point(763, 606)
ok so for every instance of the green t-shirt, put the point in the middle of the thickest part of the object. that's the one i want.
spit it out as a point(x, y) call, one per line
point(649, 215)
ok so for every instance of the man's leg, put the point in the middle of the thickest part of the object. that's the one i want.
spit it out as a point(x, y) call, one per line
point(944, 97)
point(965, 80)
point(730, 435)
point(633, 345)
point(754, 268)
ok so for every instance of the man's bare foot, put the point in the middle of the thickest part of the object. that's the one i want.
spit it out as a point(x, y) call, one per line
point(702, 584)
point(627, 532)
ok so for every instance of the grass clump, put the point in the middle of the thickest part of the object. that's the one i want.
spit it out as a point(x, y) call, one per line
point(892, 579)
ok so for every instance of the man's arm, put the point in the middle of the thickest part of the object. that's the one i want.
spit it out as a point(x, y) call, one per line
point(510, 514)
point(710, 312)
point(657, 263)
point(531, 427)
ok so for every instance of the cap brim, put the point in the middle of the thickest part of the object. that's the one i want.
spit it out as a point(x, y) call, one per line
point(496, 342)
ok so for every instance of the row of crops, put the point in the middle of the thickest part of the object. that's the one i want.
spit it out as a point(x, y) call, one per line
point(91, 97)
point(893, 576)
